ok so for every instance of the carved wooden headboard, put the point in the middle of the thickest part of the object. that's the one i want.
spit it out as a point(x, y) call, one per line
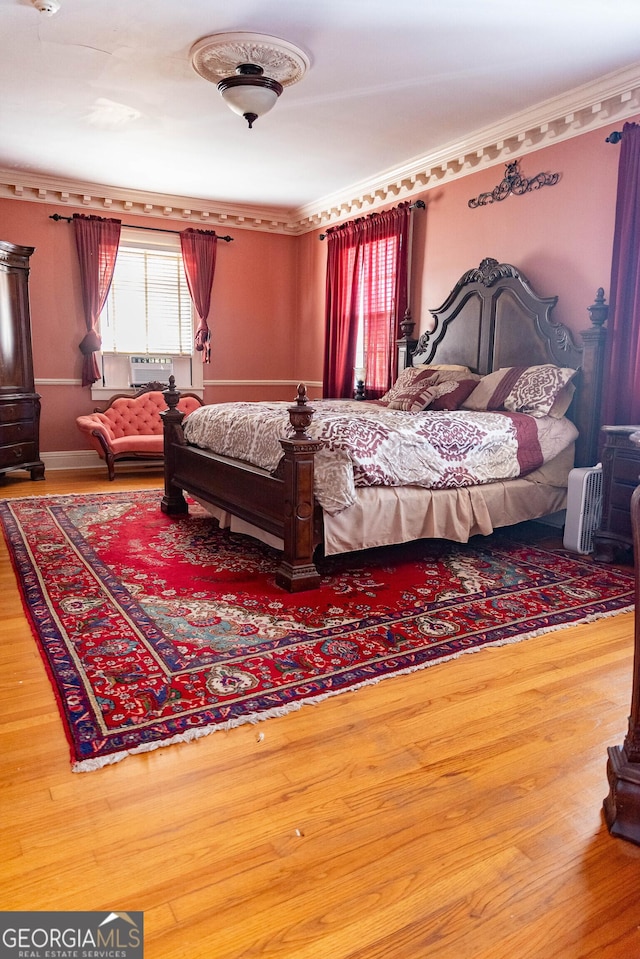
point(493, 319)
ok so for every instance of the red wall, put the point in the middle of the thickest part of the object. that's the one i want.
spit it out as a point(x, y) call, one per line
point(267, 313)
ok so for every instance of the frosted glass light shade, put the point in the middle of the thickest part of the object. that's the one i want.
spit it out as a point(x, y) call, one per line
point(249, 93)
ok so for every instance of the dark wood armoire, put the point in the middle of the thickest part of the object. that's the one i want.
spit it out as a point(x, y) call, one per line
point(19, 402)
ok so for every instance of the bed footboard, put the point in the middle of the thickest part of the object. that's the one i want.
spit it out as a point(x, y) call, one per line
point(282, 505)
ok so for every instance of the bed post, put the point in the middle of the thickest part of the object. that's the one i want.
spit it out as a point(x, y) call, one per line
point(173, 501)
point(297, 570)
point(588, 415)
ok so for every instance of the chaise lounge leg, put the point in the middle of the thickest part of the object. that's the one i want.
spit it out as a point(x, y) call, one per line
point(108, 455)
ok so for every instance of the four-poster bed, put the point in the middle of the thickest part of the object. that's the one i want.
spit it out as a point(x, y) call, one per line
point(492, 321)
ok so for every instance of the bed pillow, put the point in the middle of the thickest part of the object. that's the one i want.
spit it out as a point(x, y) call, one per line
point(427, 393)
point(562, 401)
point(442, 366)
point(454, 393)
point(520, 389)
point(489, 393)
point(414, 375)
point(407, 379)
point(415, 398)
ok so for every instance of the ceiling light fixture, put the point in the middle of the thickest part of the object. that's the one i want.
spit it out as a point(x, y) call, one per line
point(249, 93)
point(250, 70)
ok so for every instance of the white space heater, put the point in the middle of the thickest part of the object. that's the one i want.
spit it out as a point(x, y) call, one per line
point(147, 369)
point(584, 508)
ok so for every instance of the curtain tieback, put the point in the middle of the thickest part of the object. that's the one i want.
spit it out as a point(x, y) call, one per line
point(90, 343)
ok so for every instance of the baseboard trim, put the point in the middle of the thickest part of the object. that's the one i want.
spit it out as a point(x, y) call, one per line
point(87, 460)
point(72, 460)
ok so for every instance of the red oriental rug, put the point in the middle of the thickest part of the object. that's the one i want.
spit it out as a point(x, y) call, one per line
point(157, 630)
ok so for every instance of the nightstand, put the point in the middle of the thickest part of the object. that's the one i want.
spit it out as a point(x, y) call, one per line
point(620, 476)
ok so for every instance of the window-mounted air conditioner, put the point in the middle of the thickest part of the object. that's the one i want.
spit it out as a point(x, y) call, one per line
point(148, 369)
point(584, 508)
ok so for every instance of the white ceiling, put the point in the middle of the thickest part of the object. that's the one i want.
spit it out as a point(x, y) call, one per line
point(104, 92)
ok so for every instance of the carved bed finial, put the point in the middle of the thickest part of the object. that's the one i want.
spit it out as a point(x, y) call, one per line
point(599, 309)
point(171, 395)
point(301, 414)
point(407, 324)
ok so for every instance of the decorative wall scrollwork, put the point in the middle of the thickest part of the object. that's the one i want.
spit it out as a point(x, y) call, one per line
point(514, 183)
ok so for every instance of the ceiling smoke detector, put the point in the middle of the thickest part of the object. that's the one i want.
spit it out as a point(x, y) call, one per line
point(48, 7)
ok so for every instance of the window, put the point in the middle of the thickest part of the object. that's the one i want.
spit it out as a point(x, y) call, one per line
point(148, 313)
point(367, 268)
point(148, 309)
point(376, 304)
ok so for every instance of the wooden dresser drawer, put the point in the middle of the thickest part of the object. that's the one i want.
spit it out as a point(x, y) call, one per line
point(17, 453)
point(626, 469)
point(18, 410)
point(23, 431)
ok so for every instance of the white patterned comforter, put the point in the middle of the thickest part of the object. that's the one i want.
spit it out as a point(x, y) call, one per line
point(366, 444)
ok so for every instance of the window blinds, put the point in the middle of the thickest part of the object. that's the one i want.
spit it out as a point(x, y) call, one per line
point(148, 309)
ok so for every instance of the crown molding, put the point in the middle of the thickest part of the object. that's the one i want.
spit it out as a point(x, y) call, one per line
point(116, 201)
point(604, 102)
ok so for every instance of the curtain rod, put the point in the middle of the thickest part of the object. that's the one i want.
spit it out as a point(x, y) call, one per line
point(155, 229)
point(614, 137)
point(418, 205)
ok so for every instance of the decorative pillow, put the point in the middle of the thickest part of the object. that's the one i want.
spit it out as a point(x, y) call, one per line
point(406, 380)
point(429, 374)
point(415, 397)
point(537, 388)
point(521, 389)
point(424, 394)
point(454, 394)
point(490, 392)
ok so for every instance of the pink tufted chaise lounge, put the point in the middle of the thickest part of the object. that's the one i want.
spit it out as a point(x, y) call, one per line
point(131, 426)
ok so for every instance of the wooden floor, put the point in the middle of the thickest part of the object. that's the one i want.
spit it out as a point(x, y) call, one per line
point(451, 813)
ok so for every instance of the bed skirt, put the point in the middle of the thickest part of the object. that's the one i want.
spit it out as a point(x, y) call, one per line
point(384, 516)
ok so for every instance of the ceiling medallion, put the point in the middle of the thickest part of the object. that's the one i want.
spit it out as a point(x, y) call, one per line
point(250, 70)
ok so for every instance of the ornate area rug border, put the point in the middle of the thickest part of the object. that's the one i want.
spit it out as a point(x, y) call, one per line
point(216, 653)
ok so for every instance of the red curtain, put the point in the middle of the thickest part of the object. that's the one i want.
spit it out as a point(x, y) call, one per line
point(366, 285)
point(97, 242)
point(341, 332)
point(199, 249)
point(621, 402)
